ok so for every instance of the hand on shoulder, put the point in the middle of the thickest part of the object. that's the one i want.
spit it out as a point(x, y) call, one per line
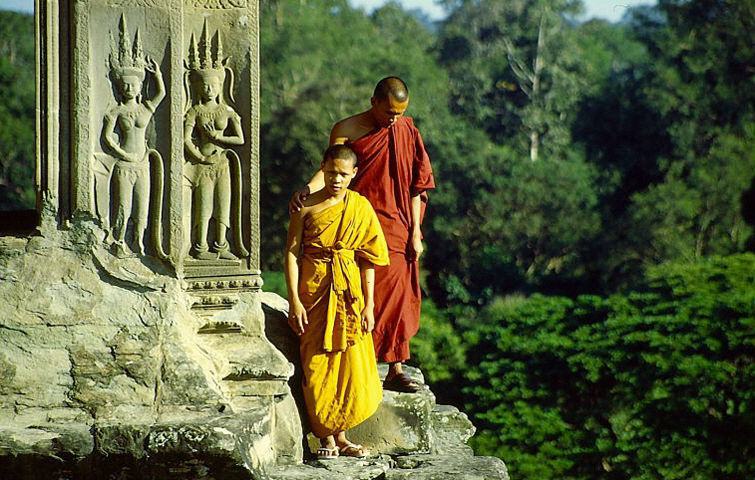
point(297, 200)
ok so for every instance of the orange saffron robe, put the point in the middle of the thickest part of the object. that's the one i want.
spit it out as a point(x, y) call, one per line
point(341, 383)
point(393, 167)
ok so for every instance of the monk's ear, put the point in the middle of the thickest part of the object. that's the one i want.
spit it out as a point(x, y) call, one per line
point(355, 171)
point(373, 101)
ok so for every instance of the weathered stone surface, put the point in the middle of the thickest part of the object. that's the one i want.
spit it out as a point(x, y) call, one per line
point(95, 368)
point(111, 375)
point(447, 467)
point(402, 424)
point(452, 430)
point(373, 468)
point(408, 467)
point(287, 430)
point(63, 441)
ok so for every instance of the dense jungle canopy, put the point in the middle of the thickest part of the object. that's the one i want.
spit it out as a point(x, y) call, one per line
point(589, 273)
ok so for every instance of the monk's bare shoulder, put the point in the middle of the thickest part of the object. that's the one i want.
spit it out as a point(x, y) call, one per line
point(351, 128)
point(308, 206)
point(316, 202)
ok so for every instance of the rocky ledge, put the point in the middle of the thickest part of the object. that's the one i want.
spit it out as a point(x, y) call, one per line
point(110, 370)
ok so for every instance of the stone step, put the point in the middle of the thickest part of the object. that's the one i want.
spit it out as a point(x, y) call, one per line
point(248, 365)
point(404, 422)
point(406, 467)
point(411, 423)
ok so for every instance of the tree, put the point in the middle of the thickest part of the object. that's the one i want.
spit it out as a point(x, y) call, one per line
point(515, 70)
point(654, 384)
point(17, 111)
point(321, 60)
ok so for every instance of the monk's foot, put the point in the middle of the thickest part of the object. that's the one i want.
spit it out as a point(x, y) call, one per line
point(400, 383)
point(352, 450)
point(325, 453)
point(328, 449)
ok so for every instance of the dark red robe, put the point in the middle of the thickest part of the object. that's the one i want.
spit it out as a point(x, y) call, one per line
point(394, 166)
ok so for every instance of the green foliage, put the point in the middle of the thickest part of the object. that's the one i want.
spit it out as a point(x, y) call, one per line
point(438, 348)
point(275, 281)
point(320, 62)
point(646, 141)
point(17, 111)
point(515, 67)
point(672, 132)
point(525, 226)
point(655, 384)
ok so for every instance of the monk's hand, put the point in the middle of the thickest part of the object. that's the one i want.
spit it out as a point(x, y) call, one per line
point(298, 199)
point(416, 248)
point(368, 318)
point(297, 317)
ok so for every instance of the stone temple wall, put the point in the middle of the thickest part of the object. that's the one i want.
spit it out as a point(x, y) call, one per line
point(135, 339)
point(107, 365)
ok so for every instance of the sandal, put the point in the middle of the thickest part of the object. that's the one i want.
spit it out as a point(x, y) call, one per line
point(401, 383)
point(353, 450)
point(324, 453)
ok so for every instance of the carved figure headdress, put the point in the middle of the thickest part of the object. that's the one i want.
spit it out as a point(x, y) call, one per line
point(206, 59)
point(125, 60)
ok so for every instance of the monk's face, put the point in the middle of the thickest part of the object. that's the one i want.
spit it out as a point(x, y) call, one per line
point(388, 110)
point(338, 174)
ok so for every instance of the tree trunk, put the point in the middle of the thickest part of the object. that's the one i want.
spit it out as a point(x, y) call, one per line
point(538, 67)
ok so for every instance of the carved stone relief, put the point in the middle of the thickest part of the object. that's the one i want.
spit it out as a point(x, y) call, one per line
point(219, 4)
point(212, 169)
point(135, 3)
point(129, 174)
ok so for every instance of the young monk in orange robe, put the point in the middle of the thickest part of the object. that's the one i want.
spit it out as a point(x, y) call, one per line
point(331, 303)
point(394, 175)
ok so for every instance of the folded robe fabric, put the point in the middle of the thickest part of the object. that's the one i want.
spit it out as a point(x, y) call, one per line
point(394, 167)
point(341, 384)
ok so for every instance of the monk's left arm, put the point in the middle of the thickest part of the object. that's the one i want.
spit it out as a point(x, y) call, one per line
point(415, 239)
point(367, 271)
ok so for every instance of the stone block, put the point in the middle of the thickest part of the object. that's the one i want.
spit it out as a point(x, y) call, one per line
point(402, 424)
point(373, 468)
point(447, 467)
point(62, 441)
point(451, 430)
point(403, 467)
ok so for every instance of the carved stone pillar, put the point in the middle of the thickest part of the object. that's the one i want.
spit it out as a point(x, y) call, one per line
point(171, 171)
point(164, 158)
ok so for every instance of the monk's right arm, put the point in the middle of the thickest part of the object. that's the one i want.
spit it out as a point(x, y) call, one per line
point(300, 196)
point(297, 314)
point(317, 182)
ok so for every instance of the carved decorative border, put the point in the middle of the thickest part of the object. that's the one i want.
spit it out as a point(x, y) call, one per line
point(218, 4)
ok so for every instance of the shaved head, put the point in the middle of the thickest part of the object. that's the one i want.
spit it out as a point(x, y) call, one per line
point(340, 151)
point(392, 87)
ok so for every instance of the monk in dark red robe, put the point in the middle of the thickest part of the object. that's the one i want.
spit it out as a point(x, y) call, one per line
point(394, 174)
point(393, 168)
